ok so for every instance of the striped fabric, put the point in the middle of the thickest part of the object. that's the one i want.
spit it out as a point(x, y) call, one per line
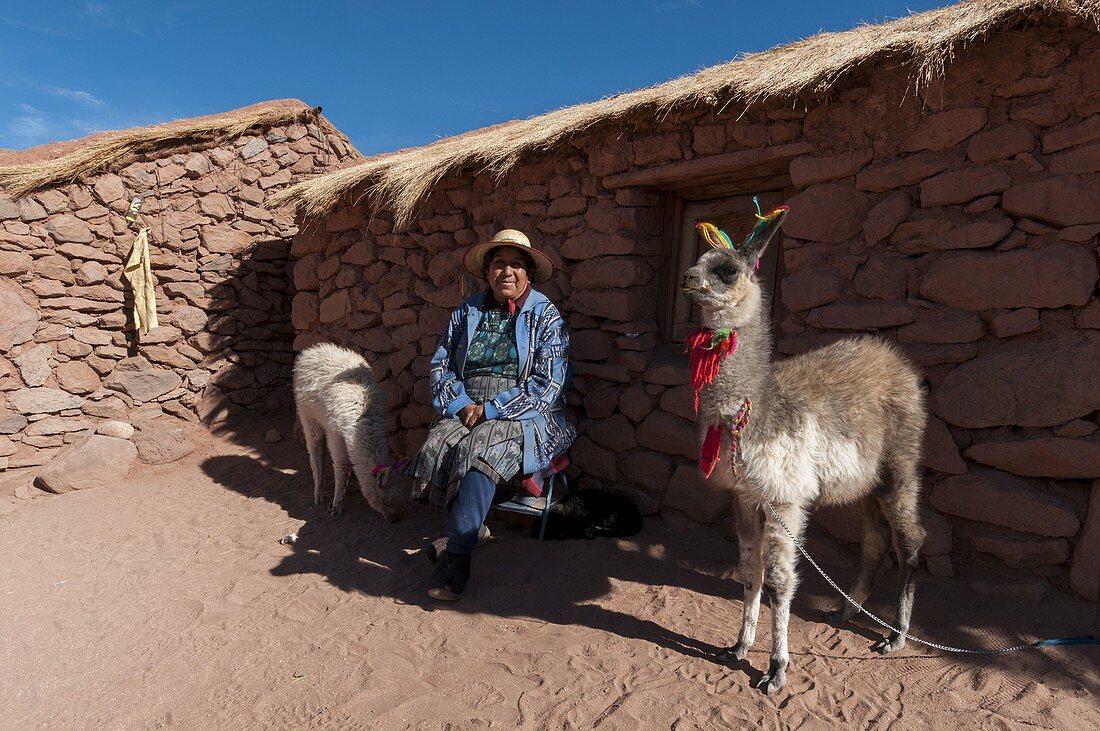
point(537, 402)
point(450, 450)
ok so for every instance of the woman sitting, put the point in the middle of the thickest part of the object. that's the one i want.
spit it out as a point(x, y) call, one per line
point(496, 381)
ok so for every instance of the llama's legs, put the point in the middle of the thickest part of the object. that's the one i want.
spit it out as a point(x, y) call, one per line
point(902, 512)
point(751, 568)
point(780, 580)
point(876, 536)
point(315, 445)
point(340, 470)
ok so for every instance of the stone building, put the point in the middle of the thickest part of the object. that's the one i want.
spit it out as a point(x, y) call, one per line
point(943, 174)
point(69, 356)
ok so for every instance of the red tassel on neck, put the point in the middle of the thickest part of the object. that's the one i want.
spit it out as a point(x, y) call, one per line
point(707, 349)
point(710, 452)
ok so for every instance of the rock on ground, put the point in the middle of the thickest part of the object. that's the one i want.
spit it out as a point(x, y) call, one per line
point(119, 429)
point(159, 443)
point(97, 461)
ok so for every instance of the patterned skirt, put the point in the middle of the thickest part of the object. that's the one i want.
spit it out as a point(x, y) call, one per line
point(450, 450)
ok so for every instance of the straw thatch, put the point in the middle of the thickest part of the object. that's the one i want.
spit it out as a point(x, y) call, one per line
point(99, 152)
point(925, 41)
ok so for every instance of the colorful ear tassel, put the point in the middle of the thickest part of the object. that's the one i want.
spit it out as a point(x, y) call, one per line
point(714, 236)
point(766, 226)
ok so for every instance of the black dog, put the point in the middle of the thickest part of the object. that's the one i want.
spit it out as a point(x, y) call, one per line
point(591, 514)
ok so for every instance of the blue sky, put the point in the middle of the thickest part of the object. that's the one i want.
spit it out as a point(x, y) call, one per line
point(389, 74)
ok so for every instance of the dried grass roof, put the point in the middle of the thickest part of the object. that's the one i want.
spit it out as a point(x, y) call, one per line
point(925, 41)
point(25, 171)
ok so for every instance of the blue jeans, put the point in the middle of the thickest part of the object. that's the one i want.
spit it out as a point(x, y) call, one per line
point(468, 511)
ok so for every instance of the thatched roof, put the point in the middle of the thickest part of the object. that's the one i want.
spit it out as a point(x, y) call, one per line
point(925, 42)
point(24, 171)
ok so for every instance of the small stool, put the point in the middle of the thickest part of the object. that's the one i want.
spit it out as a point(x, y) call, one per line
point(540, 506)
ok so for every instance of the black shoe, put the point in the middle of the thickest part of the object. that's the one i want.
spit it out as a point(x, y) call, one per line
point(450, 576)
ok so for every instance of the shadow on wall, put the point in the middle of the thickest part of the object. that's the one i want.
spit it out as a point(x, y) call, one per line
point(567, 583)
point(247, 342)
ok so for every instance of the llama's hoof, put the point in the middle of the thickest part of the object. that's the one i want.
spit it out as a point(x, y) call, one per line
point(737, 653)
point(335, 509)
point(840, 615)
point(889, 644)
point(773, 680)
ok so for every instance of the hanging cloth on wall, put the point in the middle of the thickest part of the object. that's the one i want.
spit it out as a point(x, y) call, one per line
point(139, 274)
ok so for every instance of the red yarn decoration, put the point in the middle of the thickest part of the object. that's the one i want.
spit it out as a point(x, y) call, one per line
point(710, 452)
point(707, 349)
point(744, 414)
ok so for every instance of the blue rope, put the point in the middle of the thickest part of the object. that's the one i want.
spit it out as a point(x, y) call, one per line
point(1090, 640)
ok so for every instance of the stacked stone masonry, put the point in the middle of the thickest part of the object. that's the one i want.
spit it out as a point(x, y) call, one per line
point(961, 223)
point(69, 356)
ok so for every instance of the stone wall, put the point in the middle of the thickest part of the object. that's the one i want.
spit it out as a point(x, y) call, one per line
point(69, 357)
point(961, 224)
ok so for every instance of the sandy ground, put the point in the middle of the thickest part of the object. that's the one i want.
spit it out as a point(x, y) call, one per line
point(165, 602)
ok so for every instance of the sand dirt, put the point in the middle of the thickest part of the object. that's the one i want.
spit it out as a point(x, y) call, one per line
point(166, 602)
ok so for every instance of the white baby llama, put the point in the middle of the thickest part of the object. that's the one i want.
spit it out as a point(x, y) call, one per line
point(339, 402)
point(842, 424)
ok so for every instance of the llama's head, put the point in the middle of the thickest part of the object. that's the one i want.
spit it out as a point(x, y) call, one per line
point(723, 281)
point(724, 285)
point(394, 488)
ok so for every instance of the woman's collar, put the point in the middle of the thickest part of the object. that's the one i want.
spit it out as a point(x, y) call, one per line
point(477, 299)
point(489, 302)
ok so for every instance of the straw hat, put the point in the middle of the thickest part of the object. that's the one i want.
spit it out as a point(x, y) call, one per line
point(542, 266)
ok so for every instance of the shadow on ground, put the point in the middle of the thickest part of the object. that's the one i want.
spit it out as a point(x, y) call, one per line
point(562, 583)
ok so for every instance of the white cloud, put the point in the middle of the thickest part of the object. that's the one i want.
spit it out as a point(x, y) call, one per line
point(95, 8)
point(29, 126)
point(76, 95)
point(50, 31)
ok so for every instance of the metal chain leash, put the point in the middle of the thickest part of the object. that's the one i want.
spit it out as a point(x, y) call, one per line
point(1090, 640)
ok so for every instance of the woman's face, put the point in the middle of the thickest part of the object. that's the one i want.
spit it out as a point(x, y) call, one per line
point(507, 273)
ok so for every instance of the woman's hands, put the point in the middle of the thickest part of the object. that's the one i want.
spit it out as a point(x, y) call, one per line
point(472, 415)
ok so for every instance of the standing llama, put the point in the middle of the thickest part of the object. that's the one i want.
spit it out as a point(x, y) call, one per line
point(339, 402)
point(842, 424)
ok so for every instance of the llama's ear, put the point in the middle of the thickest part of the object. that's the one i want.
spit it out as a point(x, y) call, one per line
point(767, 226)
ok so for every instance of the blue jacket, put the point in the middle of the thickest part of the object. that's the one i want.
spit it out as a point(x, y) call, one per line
point(538, 402)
